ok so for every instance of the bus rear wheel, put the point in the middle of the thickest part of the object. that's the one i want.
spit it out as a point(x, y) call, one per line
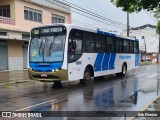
point(87, 77)
point(124, 71)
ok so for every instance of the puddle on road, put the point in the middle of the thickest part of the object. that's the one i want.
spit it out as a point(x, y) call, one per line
point(131, 95)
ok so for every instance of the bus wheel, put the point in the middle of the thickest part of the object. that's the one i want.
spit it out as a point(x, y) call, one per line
point(87, 77)
point(124, 71)
point(57, 84)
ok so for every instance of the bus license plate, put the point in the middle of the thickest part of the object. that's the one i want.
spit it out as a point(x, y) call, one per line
point(43, 75)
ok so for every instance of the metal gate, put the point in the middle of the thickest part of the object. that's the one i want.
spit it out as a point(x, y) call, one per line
point(25, 51)
point(3, 55)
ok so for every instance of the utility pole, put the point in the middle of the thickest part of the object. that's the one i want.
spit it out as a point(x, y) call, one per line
point(144, 47)
point(158, 49)
point(127, 24)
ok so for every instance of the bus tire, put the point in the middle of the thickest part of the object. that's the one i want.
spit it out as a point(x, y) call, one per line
point(57, 84)
point(123, 72)
point(87, 77)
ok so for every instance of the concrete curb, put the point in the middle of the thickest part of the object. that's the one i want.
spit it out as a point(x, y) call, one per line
point(145, 107)
point(18, 81)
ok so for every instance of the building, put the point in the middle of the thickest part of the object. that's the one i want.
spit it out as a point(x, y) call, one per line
point(145, 34)
point(17, 17)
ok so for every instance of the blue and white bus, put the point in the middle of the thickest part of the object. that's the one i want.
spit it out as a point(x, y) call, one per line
point(61, 52)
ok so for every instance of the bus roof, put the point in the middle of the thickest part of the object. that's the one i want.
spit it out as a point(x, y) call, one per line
point(87, 29)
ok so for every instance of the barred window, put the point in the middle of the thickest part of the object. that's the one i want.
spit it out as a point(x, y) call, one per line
point(5, 10)
point(32, 14)
point(58, 19)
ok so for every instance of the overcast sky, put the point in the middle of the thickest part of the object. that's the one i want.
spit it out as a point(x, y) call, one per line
point(108, 10)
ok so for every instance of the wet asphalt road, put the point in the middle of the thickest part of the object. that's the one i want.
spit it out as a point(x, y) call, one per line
point(132, 93)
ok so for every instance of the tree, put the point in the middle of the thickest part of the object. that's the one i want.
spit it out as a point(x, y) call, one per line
point(137, 5)
point(158, 32)
point(158, 28)
point(157, 13)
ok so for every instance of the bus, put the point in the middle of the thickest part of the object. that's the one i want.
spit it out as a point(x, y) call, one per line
point(66, 52)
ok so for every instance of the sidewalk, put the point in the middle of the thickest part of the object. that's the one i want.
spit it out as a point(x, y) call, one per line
point(153, 106)
point(13, 76)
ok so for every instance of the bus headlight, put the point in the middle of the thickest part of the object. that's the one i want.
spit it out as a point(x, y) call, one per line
point(56, 70)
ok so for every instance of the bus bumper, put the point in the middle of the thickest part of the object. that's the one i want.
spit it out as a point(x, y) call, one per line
point(59, 75)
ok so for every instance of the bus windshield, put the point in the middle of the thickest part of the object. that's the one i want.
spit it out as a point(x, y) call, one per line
point(49, 48)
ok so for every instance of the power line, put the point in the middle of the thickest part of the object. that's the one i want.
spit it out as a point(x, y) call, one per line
point(94, 14)
point(84, 14)
point(89, 11)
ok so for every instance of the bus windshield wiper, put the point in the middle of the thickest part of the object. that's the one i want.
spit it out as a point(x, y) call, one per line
point(40, 47)
point(52, 43)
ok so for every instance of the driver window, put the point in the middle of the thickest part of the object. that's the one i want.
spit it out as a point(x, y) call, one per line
point(74, 45)
point(75, 42)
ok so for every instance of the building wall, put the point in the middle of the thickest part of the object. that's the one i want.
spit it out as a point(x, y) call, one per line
point(17, 25)
point(17, 15)
point(15, 58)
point(12, 6)
point(151, 38)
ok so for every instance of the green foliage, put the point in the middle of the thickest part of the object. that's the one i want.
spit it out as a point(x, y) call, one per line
point(137, 5)
point(157, 13)
point(158, 28)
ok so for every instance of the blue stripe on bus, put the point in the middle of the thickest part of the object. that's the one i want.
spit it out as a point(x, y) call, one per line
point(106, 33)
point(105, 61)
point(97, 64)
point(112, 61)
point(136, 59)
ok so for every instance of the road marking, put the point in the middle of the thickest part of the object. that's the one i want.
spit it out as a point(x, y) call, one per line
point(35, 105)
point(153, 75)
point(141, 74)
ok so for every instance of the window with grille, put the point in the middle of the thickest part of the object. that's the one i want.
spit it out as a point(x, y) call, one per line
point(32, 14)
point(58, 19)
point(5, 11)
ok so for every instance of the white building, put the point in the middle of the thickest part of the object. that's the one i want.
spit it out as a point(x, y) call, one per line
point(150, 37)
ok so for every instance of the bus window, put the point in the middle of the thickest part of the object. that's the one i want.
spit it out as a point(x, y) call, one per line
point(110, 44)
point(126, 46)
point(131, 46)
point(100, 43)
point(119, 45)
point(88, 42)
point(136, 48)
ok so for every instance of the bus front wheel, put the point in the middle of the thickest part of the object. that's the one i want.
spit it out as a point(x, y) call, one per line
point(87, 77)
point(57, 84)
